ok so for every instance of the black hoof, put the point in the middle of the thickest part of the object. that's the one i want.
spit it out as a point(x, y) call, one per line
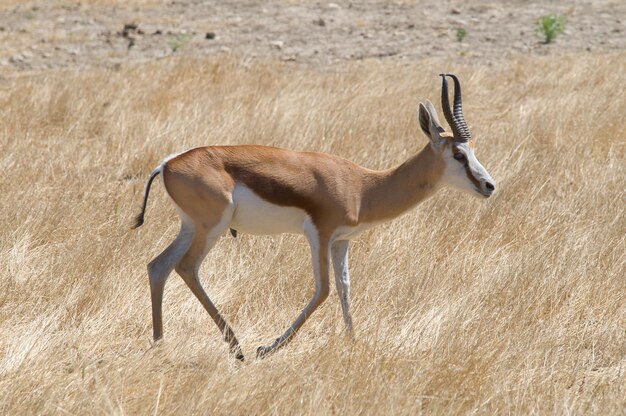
point(240, 357)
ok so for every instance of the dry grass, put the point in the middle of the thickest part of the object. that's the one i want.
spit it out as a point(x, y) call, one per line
point(511, 305)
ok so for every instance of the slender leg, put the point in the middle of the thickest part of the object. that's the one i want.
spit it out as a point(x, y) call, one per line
point(339, 253)
point(188, 270)
point(159, 270)
point(320, 255)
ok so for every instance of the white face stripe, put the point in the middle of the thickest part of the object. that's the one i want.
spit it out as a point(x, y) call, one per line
point(457, 173)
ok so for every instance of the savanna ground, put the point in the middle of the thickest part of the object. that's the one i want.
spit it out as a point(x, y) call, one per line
point(516, 304)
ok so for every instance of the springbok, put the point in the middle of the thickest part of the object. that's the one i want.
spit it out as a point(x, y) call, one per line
point(266, 190)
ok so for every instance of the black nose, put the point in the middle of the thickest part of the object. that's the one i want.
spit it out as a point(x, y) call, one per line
point(489, 186)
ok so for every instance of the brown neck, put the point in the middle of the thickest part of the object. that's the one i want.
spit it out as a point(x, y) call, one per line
point(390, 193)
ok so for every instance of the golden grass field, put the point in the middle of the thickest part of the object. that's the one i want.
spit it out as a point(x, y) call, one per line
point(512, 305)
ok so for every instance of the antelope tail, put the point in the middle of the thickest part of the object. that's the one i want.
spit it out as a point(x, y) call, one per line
point(139, 218)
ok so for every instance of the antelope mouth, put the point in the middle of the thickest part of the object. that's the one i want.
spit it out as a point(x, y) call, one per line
point(484, 194)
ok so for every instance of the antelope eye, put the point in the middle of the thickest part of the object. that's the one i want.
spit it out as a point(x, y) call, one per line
point(459, 156)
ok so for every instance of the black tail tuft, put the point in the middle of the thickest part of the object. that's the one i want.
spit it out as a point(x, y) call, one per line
point(139, 217)
point(138, 221)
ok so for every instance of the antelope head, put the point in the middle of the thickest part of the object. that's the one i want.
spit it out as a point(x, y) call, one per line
point(462, 169)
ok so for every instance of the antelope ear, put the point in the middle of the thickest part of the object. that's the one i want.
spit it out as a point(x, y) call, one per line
point(429, 122)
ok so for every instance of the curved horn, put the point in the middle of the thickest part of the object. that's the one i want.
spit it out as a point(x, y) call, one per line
point(445, 105)
point(458, 111)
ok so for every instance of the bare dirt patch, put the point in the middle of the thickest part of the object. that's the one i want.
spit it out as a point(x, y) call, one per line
point(41, 34)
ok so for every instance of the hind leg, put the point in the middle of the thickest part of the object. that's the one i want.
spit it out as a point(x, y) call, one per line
point(188, 269)
point(320, 253)
point(159, 270)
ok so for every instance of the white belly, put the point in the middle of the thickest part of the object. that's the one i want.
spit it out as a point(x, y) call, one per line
point(254, 215)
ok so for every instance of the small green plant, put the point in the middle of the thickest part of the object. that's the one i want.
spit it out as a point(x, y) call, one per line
point(551, 25)
point(460, 34)
point(178, 40)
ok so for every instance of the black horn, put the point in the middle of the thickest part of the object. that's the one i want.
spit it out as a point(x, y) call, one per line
point(455, 120)
point(458, 109)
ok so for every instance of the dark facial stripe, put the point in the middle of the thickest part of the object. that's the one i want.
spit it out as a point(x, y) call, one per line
point(468, 171)
point(471, 176)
